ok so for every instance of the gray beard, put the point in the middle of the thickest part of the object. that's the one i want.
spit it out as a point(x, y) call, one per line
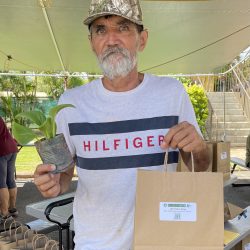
point(112, 67)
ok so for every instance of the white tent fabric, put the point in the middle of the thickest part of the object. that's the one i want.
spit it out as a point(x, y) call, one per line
point(184, 36)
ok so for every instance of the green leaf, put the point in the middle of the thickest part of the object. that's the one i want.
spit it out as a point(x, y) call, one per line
point(22, 134)
point(47, 128)
point(52, 114)
point(46, 125)
point(53, 111)
point(34, 116)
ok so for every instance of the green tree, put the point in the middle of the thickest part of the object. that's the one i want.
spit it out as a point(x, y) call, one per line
point(75, 81)
point(52, 86)
point(20, 95)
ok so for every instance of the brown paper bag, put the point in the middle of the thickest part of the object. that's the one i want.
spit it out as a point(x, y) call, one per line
point(231, 211)
point(50, 245)
point(8, 227)
point(39, 241)
point(179, 211)
point(26, 242)
point(16, 239)
point(221, 157)
point(182, 167)
point(8, 236)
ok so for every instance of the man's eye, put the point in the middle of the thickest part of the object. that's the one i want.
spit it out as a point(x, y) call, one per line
point(123, 28)
point(99, 31)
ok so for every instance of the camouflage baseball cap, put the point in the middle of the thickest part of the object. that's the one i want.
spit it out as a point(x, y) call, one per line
point(129, 9)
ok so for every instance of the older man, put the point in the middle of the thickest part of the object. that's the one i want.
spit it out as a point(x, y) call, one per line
point(122, 122)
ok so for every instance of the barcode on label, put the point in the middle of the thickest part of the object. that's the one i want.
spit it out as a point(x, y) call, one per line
point(177, 205)
point(178, 211)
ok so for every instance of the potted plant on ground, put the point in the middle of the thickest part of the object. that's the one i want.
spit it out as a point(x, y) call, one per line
point(51, 147)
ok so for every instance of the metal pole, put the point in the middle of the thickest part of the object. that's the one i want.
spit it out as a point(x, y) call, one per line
point(46, 17)
point(224, 110)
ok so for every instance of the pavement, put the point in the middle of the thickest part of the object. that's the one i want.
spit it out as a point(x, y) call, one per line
point(28, 193)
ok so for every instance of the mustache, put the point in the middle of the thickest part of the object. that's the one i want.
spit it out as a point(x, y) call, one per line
point(113, 50)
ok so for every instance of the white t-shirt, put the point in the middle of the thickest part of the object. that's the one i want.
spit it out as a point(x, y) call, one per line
point(112, 134)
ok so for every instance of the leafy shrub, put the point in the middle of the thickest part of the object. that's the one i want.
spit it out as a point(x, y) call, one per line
point(199, 101)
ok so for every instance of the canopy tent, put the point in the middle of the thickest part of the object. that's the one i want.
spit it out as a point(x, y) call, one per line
point(184, 36)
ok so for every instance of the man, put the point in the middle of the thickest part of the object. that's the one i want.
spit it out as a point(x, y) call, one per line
point(248, 152)
point(122, 122)
point(8, 189)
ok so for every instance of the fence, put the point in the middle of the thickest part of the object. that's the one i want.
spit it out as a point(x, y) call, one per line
point(38, 103)
point(236, 80)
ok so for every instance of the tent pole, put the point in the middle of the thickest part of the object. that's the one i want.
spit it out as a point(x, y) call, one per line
point(52, 35)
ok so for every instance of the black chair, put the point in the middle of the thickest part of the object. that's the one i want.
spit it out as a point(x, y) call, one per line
point(61, 226)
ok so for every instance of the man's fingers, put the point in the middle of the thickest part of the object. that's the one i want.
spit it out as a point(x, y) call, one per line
point(40, 179)
point(184, 142)
point(46, 182)
point(44, 169)
point(50, 190)
point(180, 139)
point(53, 192)
point(174, 130)
point(175, 135)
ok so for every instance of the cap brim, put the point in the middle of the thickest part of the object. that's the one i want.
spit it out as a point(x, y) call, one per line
point(92, 18)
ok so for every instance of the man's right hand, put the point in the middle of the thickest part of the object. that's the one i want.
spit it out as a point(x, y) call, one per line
point(47, 183)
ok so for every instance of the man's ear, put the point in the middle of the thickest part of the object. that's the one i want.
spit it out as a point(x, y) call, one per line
point(143, 39)
point(90, 41)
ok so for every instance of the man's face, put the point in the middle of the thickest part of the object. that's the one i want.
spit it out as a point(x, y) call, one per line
point(116, 41)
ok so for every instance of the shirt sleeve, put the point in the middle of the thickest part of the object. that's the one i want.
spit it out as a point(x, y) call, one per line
point(63, 126)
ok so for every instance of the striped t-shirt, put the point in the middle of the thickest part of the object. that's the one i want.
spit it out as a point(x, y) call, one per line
point(112, 134)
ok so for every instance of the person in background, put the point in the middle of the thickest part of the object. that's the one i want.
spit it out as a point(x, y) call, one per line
point(122, 122)
point(248, 152)
point(8, 189)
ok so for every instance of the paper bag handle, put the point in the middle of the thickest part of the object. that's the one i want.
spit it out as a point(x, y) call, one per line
point(38, 237)
point(166, 160)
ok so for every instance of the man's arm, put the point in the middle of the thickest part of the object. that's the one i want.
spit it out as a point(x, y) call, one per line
point(51, 185)
point(185, 137)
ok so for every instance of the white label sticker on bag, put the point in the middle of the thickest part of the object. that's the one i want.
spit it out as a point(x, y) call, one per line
point(223, 155)
point(178, 211)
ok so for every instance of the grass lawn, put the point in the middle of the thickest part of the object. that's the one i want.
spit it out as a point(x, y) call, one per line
point(27, 159)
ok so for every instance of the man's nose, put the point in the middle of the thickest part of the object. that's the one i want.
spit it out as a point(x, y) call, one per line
point(112, 37)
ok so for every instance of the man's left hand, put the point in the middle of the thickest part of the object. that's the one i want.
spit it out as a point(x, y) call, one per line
point(184, 136)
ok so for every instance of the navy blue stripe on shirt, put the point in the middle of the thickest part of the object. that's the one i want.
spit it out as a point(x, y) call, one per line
point(123, 126)
point(121, 162)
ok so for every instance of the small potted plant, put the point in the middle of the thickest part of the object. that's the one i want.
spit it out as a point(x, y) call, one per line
point(51, 147)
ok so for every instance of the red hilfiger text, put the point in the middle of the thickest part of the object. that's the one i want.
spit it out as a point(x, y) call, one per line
point(121, 144)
